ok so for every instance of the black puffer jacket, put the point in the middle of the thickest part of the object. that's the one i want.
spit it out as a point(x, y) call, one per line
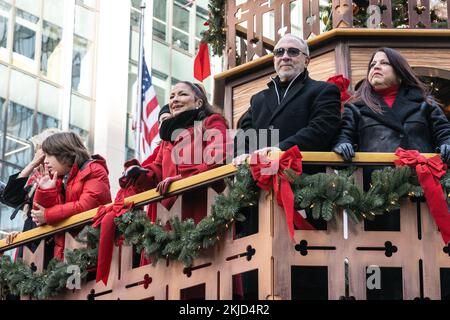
point(410, 124)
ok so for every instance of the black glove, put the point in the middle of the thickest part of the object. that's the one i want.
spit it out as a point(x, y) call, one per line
point(345, 150)
point(445, 152)
point(134, 172)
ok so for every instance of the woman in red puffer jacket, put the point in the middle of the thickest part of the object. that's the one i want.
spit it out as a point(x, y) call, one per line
point(70, 182)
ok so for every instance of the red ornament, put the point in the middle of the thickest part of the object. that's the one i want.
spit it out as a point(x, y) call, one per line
point(206, 24)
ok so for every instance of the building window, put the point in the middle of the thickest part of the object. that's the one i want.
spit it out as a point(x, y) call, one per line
point(51, 48)
point(19, 123)
point(80, 117)
point(83, 55)
point(25, 34)
point(5, 10)
point(51, 51)
point(160, 19)
point(181, 26)
point(49, 111)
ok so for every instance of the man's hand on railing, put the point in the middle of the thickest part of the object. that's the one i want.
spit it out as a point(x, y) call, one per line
point(164, 185)
point(239, 160)
point(38, 215)
point(445, 152)
point(345, 150)
point(262, 152)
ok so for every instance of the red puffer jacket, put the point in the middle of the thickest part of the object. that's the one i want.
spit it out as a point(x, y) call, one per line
point(87, 188)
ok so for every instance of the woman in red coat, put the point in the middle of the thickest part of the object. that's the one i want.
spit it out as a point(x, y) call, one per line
point(70, 182)
point(194, 140)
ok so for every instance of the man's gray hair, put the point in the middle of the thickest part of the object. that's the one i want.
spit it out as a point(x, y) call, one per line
point(302, 42)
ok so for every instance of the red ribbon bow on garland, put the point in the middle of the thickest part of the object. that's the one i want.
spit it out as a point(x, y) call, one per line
point(105, 218)
point(271, 173)
point(429, 171)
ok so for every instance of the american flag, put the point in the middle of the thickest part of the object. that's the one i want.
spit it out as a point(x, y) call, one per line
point(149, 136)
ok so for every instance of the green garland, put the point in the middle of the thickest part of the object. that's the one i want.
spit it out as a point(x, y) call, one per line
point(215, 35)
point(324, 194)
point(185, 239)
point(19, 279)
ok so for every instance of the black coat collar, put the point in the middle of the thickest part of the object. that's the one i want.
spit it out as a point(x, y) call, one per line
point(295, 88)
point(406, 103)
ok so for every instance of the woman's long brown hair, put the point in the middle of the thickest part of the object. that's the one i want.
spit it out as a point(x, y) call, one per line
point(403, 70)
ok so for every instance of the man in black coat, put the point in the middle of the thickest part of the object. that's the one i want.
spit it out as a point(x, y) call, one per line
point(293, 110)
point(305, 112)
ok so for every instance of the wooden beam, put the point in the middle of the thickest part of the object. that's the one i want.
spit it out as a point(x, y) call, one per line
point(336, 33)
point(361, 158)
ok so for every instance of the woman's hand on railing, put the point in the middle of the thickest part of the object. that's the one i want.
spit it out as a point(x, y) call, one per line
point(445, 152)
point(11, 236)
point(345, 150)
point(164, 185)
point(38, 215)
point(134, 171)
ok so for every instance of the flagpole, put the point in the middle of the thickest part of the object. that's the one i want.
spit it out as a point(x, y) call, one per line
point(138, 131)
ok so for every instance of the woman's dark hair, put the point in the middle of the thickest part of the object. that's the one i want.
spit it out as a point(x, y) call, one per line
point(403, 70)
point(206, 109)
point(67, 148)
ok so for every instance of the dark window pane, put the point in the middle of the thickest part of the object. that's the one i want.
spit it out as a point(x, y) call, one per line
point(194, 293)
point(391, 285)
point(3, 31)
point(24, 41)
point(20, 124)
point(245, 285)
point(390, 221)
point(80, 49)
point(159, 30)
point(250, 225)
point(445, 283)
point(309, 283)
point(44, 121)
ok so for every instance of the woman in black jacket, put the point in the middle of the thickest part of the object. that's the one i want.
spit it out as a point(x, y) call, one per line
point(391, 109)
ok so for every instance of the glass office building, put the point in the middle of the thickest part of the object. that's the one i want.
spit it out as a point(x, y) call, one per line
point(72, 64)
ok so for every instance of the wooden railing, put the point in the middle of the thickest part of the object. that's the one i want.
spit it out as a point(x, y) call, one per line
point(413, 259)
point(254, 26)
point(178, 187)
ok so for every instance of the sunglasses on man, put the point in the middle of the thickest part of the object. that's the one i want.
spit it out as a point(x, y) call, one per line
point(292, 52)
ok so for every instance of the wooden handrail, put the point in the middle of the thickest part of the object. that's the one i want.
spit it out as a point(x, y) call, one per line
point(204, 178)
